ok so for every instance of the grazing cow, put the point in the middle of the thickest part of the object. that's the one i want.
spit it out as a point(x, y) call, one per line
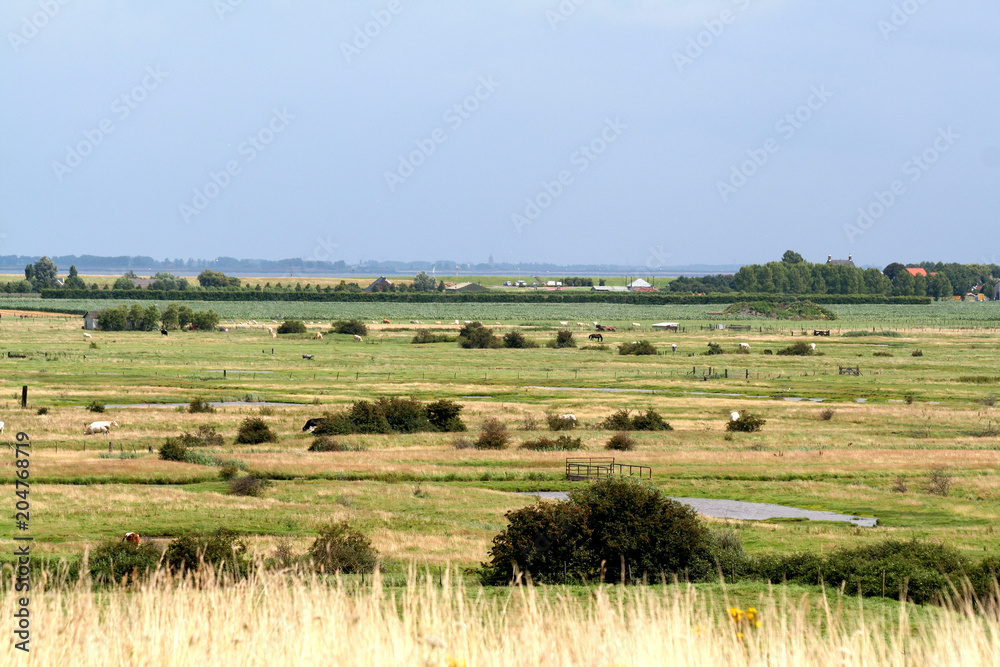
point(596, 336)
point(164, 332)
point(569, 417)
point(812, 346)
point(358, 338)
point(735, 416)
point(414, 321)
point(563, 323)
point(319, 336)
point(768, 352)
point(312, 424)
point(1, 427)
point(745, 346)
point(673, 346)
point(610, 329)
point(386, 322)
point(274, 335)
point(87, 335)
point(636, 324)
point(99, 427)
point(307, 356)
point(132, 538)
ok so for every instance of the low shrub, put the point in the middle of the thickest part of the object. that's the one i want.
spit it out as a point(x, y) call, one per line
point(198, 405)
point(205, 436)
point(43, 411)
point(475, 336)
point(561, 422)
point(463, 443)
point(917, 353)
point(623, 421)
point(353, 327)
point(325, 443)
point(253, 431)
point(715, 348)
point(228, 472)
point(637, 347)
point(748, 422)
point(341, 548)
point(563, 442)
point(253, 485)
point(800, 349)
point(517, 340)
point(224, 550)
point(425, 336)
point(95, 406)
point(563, 339)
point(114, 562)
point(292, 327)
point(882, 353)
point(621, 442)
point(989, 401)
point(265, 411)
point(826, 414)
point(173, 450)
point(939, 481)
point(443, 415)
point(493, 435)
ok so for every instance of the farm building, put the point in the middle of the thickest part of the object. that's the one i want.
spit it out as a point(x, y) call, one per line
point(141, 283)
point(607, 288)
point(840, 262)
point(667, 326)
point(916, 271)
point(996, 292)
point(640, 285)
point(466, 287)
point(90, 319)
point(383, 284)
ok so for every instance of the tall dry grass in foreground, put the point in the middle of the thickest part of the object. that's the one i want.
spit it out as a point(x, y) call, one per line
point(301, 620)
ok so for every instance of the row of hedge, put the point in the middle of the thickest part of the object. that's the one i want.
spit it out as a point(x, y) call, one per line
point(497, 296)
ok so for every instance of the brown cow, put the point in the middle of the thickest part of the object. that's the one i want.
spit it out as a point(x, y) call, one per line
point(132, 538)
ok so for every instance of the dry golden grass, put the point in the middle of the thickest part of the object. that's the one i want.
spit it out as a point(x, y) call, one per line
point(300, 620)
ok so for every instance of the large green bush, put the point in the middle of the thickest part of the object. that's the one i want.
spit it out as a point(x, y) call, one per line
point(493, 435)
point(443, 415)
point(292, 327)
point(341, 548)
point(517, 340)
point(476, 336)
point(622, 420)
point(393, 415)
point(353, 327)
point(115, 561)
point(638, 347)
point(254, 431)
point(224, 550)
point(631, 527)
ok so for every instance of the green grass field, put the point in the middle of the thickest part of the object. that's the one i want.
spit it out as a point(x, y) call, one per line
point(422, 500)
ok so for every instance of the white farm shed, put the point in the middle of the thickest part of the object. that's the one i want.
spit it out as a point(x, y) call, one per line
point(667, 326)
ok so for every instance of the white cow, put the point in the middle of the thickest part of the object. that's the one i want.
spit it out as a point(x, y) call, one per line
point(674, 346)
point(358, 338)
point(319, 336)
point(745, 346)
point(1, 427)
point(563, 323)
point(99, 427)
point(636, 324)
point(87, 335)
point(812, 346)
point(570, 417)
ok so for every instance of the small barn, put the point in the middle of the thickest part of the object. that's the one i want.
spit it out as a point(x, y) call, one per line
point(90, 319)
point(466, 287)
point(996, 292)
point(382, 284)
point(640, 285)
point(667, 326)
point(840, 262)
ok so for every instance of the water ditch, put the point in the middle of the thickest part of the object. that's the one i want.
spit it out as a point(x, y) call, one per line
point(740, 509)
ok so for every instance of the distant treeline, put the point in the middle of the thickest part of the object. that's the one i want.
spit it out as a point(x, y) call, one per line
point(493, 296)
point(804, 278)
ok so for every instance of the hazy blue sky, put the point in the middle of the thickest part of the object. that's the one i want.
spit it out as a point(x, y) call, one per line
point(639, 132)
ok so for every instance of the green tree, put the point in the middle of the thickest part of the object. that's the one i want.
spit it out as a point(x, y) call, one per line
point(940, 287)
point(892, 270)
point(168, 281)
point(113, 319)
point(902, 284)
point(74, 281)
point(423, 283)
point(43, 273)
point(214, 279)
point(170, 318)
point(123, 283)
point(792, 257)
point(206, 320)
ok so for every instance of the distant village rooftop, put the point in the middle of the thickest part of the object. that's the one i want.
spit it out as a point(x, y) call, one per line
point(840, 262)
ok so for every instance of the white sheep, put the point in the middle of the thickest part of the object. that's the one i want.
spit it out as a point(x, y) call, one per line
point(674, 346)
point(358, 338)
point(87, 335)
point(735, 416)
point(745, 346)
point(563, 323)
point(99, 427)
point(812, 346)
point(636, 324)
point(1, 427)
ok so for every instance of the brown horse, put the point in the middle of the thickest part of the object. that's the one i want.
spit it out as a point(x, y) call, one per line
point(596, 336)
